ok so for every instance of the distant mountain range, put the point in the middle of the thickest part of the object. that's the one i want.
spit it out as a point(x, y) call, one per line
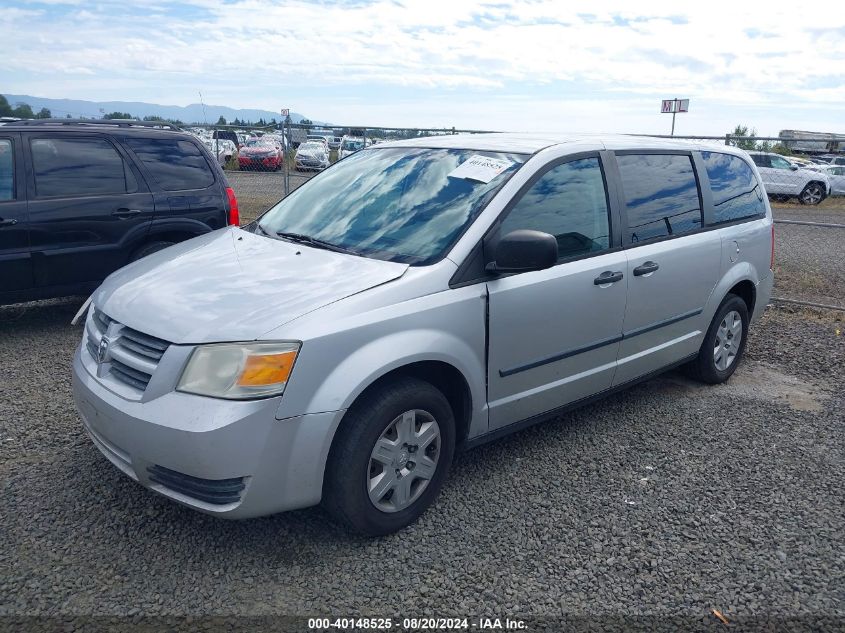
point(193, 113)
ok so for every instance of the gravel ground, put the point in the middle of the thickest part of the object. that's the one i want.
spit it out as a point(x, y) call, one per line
point(669, 499)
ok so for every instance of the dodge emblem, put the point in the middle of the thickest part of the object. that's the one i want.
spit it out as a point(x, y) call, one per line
point(103, 350)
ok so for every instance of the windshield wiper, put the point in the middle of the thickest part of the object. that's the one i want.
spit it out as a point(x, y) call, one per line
point(314, 241)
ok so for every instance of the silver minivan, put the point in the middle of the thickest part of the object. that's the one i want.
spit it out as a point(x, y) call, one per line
point(417, 298)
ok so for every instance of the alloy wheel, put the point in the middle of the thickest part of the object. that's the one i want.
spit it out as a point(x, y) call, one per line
point(812, 194)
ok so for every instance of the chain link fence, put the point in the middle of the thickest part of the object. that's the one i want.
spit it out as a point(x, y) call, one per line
point(805, 185)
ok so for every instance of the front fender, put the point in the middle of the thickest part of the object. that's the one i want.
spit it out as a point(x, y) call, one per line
point(377, 358)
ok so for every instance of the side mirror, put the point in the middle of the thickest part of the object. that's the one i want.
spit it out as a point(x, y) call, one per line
point(793, 167)
point(524, 250)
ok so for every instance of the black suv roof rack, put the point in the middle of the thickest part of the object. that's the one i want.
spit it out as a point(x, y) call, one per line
point(110, 122)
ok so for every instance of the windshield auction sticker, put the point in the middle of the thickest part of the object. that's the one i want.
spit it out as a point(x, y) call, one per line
point(480, 168)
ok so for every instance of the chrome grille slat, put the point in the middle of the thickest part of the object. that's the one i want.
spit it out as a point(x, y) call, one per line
point(127, 374)
point(126, 356)
point(145, 340)
point(133, 355)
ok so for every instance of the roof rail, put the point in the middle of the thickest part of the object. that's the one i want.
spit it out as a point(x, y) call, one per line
point(111, 122)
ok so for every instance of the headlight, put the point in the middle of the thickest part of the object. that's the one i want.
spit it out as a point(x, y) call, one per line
point(239, 371)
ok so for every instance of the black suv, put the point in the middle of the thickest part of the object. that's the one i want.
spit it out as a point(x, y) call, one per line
point(80, 199)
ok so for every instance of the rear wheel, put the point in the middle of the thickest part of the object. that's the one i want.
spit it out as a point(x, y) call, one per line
point(724, 343)
point(149, 249)
point(813, 193)
point(390, 457)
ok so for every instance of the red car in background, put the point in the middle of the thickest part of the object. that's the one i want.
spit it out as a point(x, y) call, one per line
point(264, 154)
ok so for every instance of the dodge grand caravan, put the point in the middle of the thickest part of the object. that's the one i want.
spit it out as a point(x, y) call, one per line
point(415, 298)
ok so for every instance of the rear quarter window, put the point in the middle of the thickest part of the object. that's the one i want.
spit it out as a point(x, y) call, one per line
point(661, 196)
point(176, 164)
point(736, 192)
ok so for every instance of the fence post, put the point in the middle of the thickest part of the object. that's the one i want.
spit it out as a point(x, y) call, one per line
point(727, 139)
point(288, 146)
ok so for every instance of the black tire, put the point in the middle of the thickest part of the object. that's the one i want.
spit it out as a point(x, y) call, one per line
point(345, 491)
point(704, 368)
point(812, 194)
point(149, 249)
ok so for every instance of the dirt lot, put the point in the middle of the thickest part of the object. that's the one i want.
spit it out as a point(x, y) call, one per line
point(669, 499)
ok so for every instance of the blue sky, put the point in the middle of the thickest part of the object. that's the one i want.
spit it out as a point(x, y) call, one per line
point(527, 65)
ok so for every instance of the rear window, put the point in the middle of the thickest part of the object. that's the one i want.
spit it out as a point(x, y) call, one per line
point(78, 167)
point(736, 192)
point(661, 195)
point(176, 164)
point(7, 171)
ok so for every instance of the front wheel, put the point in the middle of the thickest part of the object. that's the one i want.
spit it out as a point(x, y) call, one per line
point(390, 457)
point(724, 343)
point(813, 194)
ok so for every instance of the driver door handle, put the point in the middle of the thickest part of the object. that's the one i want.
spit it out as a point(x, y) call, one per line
point(608, 277)
point(11, 222)
point(646, 268)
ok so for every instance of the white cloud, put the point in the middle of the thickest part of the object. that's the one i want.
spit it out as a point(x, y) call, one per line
point(741, 56)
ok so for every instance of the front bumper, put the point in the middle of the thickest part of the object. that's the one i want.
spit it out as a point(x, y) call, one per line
point(263, 465)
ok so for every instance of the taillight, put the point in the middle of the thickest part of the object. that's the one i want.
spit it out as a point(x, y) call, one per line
point(234, 214)
point(772, 260)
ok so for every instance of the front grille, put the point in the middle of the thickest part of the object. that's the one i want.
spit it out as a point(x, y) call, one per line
point(132, 355)
point(214, 491)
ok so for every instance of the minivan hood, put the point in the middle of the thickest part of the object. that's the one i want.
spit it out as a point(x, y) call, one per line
point(232, 285)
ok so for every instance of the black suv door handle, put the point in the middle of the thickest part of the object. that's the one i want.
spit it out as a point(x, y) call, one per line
point(8, 222)
point(646, 268)
point(125, 213)
point(608, 277)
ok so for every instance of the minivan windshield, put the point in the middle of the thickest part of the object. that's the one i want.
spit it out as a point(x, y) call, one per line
point(401, 204)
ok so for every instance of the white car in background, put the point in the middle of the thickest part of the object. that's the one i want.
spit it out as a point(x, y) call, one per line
point(350, 145)
point(836, 175)
point(223, 148)
point(783, 179)
point(312, 155)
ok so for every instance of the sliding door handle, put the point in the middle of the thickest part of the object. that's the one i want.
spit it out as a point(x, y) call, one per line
point(11, 222)
point(608, 277)
point(646, 268)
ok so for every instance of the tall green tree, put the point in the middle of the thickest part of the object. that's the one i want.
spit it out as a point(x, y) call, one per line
point(118, 115)
point(44, 113)
point(221, 120)
point(5, 108)
point(743, 130)
point(23, 111)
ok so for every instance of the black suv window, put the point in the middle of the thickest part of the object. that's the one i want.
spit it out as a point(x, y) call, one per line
point(736, 192)
point(68, 166)
point(570, 202)
point(7, 170)
point(661, 195)
point(175, 163)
